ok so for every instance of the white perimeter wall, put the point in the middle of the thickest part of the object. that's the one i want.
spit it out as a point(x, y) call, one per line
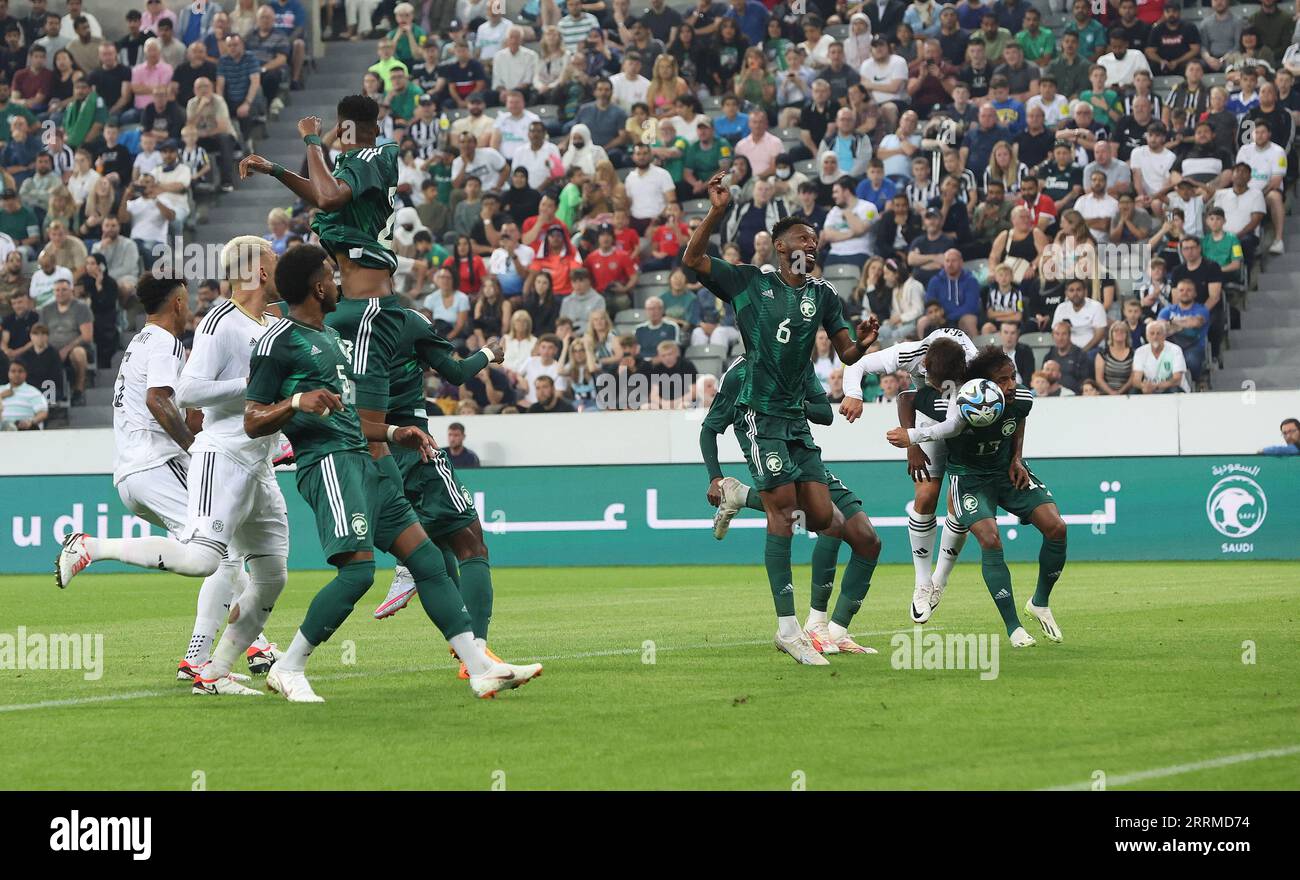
point(1227, 423)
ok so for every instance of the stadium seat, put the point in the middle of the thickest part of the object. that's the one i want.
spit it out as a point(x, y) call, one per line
point(978, 268)
point(624, 172)
point(694, 352)
point(1215, 79)
point(630, 316)
point(708, 366)
point(1038, 340)
point(807, 166)
point(986, 339)
point(547, 112)
point(786, 134)
point(653, 279)
point(841, 270)
point(844, 286)
point(711, 103)
point(1246, 11)
point(696, 206)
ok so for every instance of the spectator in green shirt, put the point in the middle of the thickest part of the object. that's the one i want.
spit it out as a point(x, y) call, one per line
point(19, 222)
point(1106, 105)
point(85, 115)
point(670, 150)
point(993, 37)
point(1092, 36)
point(408, 37)
point(9, 109)
point(703, 159)
point(402, 96)
point(571, 196)
point(1038, 42)
point(1220, 246)
point(387, 63)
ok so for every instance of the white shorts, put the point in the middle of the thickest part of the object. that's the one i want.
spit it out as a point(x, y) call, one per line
point(159, 495)
point(937, 450)
point(230, 507)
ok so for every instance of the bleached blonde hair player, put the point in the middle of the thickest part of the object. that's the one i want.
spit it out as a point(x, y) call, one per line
point(235, 510)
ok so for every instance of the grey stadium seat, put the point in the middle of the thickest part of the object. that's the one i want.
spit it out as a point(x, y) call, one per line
point(630, 316)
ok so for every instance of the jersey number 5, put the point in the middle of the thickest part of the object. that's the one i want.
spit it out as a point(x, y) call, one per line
point(349, 393)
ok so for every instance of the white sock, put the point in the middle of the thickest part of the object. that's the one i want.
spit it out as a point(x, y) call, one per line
point(787, 627)
point(471, 653)
point(921, 531)
point(815, 617)
point(254, 604)
point(954, 538)
point(215, 597)
point(837, 632)
point(190, 559)
point(295, 659)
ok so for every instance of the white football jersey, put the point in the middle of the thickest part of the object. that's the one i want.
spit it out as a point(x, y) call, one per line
point(152, 360)
point(908, 356)
point(223, 348)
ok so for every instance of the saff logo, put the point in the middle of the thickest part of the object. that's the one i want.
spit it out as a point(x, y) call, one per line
point(773, 462)
point(359, 525)
point(1236, 506)
point(807, 308)
point(970, 503)
point(1008, 428)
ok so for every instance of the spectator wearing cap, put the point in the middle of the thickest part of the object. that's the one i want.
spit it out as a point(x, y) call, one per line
point(704, 157)
point(173, 179)
point(22, 407)
point(925, 253)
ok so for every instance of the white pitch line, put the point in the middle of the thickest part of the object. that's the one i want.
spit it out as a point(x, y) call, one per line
point(343, 676)
point(1179, 769)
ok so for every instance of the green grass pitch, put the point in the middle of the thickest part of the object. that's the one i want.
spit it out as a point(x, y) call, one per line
point(1151, 676)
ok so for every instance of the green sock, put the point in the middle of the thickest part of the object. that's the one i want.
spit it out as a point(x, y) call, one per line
point(825, 557)
point(1051, 561)
point(452, 564)
point(476, 589)
point(335, 601)
point(439, 596)
point(754, 501)
point(853, 589)
point(776, 557)
point(997, 577)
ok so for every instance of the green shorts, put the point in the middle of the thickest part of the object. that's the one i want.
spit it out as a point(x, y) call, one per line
point(974, 497)
point(777, 450)
point(842, 497)
point(357, 506)
point(439, 498)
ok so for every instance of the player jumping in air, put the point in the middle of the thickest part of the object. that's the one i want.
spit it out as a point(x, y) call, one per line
point(942, 355)
point(850, 524)
point(987, 472)
point(778, 314)
point(234, 510)
point(302, 382)
point(355, 226)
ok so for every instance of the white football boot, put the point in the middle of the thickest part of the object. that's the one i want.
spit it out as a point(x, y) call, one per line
point(921, 607)
point(820, 636)
point(399, 593)
point(72, 559)
point(503, 677)
point(1045, 618)
point(733, 500)
point(293, 686)
point(936, 596)
point(225, 685)
point(800, 648)
point(846, 645)
point(1021, 639)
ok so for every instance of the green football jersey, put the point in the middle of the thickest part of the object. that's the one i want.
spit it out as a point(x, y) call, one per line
point(293, 357)
point(372, 333)
point(984, 450)
point(362, 230)
point(722, 412)
point(779, 325)
point(421, 347)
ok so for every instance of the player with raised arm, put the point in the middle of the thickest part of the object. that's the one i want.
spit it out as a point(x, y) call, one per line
point(302, 381)
point(778, 314)
point(943, 354)
point(850, 523)
point(445, 507)
point(987, 471)
point(234, 511)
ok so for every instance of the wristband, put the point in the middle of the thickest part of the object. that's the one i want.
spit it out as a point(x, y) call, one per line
point(392, 431)
point(296, 401)
point(313, 140)
point(277, 170)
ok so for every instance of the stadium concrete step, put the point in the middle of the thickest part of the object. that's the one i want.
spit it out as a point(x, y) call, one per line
point(1250, 336)
point(1259, 378)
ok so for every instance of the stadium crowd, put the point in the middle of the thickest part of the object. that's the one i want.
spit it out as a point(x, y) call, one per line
point(1091, 187)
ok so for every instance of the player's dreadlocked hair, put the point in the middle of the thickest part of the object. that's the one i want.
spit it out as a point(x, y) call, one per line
point(297, 271)
point(153, 292)
point(360, 109)
point(945, 362)
point(990, 359)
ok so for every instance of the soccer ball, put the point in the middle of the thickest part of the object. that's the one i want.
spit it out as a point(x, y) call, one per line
point(980, 403)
